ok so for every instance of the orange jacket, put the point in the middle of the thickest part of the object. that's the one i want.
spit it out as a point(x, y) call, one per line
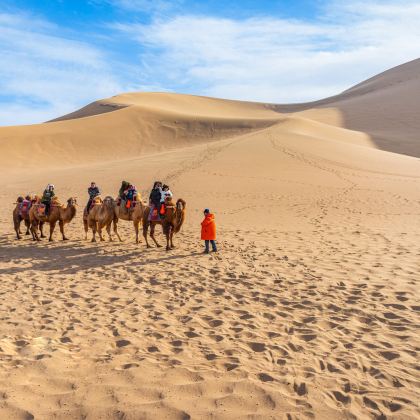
point(208, 228)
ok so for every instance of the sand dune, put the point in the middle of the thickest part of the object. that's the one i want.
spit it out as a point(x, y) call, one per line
point(138, 123)
point(386, 107)
point(310, 309)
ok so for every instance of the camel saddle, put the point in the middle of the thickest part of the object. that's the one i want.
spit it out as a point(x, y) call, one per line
point(154, 215)
point(40, 209)
point(24, 209)
point(127, 205)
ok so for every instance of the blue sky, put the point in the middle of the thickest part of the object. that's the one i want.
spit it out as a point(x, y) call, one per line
point(58, 55)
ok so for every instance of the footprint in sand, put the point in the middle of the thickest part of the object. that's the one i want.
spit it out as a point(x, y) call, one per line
point(122, 343)
point(257, 347)
point(265, 377)
point(300, 389)
point(389, 355)
point(215, 323)
point(339, 396)
point(230, 366)
point(130, 365)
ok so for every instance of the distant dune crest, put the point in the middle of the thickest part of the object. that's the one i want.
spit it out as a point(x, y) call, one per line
point(382, 113)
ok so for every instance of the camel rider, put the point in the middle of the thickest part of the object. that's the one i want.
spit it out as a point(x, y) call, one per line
point(93, 192)
point(155, 197)
point(130, 195)
point(166, 194)
point(123, 189)
point(47, 197)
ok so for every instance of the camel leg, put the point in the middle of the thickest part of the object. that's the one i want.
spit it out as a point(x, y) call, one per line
point(17, 228)
point(52, 227)
point(34, 229)
point(152, 235)
point(93, 227)
point(145, 229)
point(61, 223)
point(28, 225)
point(108, 231)
point(86, 227)
point(100, 232)
point(41, 228)
point(136, 229)
point(172, 239)
point(116, 230)
point(168, 248)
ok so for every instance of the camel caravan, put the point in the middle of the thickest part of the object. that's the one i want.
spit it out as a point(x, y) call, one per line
point(103, 214)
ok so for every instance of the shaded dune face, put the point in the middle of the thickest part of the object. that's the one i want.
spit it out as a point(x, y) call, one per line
point(386, 107)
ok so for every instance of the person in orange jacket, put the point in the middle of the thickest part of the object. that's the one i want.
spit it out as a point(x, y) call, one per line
point(208, 231)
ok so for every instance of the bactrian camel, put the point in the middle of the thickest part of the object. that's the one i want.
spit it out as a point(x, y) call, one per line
point(58, 213)
point(18, 217)
point(134, 214)
point(171, 223)
point(101, 215)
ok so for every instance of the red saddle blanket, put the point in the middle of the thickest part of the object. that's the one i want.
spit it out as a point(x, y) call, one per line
point(126, 204)
point(40, 209)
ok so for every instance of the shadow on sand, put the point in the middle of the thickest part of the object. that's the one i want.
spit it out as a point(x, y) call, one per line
point(72, 257)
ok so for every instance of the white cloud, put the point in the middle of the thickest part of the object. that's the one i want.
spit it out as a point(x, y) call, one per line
point(46, 75)
point(279, 60)
point(145, 6)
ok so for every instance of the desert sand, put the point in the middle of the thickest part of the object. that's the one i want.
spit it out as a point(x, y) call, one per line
point(309, 309)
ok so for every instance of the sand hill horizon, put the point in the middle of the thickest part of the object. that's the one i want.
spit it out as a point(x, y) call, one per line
point(310, 309)
point(383, 108)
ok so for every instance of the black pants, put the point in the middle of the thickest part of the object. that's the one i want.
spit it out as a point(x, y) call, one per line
point(88, 205)
point(47, 207)
point(213, 245)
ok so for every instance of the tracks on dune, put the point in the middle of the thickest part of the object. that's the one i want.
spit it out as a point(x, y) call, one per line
point(295, 329)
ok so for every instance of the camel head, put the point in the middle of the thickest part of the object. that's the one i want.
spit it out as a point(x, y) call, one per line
point(175, 214)
point(108, 201)
point(180, 204)
point(72, 202)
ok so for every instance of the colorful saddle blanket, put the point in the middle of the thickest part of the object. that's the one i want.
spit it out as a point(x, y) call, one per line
point(24, 209)
point(40, 209)
point(126, 204)
point(154, 214)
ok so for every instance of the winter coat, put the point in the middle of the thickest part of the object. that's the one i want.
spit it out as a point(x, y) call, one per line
point(93, 192)
point(155, 196)
point(124, 186)
point(47, 196)
point(130, 193)
point(165, 195)
point(208, 228)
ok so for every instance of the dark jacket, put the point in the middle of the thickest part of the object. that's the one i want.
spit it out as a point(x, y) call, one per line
point(131, 193)
point(93, 192)
point(124, 186)
point(155, 196)
point(47, 196)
